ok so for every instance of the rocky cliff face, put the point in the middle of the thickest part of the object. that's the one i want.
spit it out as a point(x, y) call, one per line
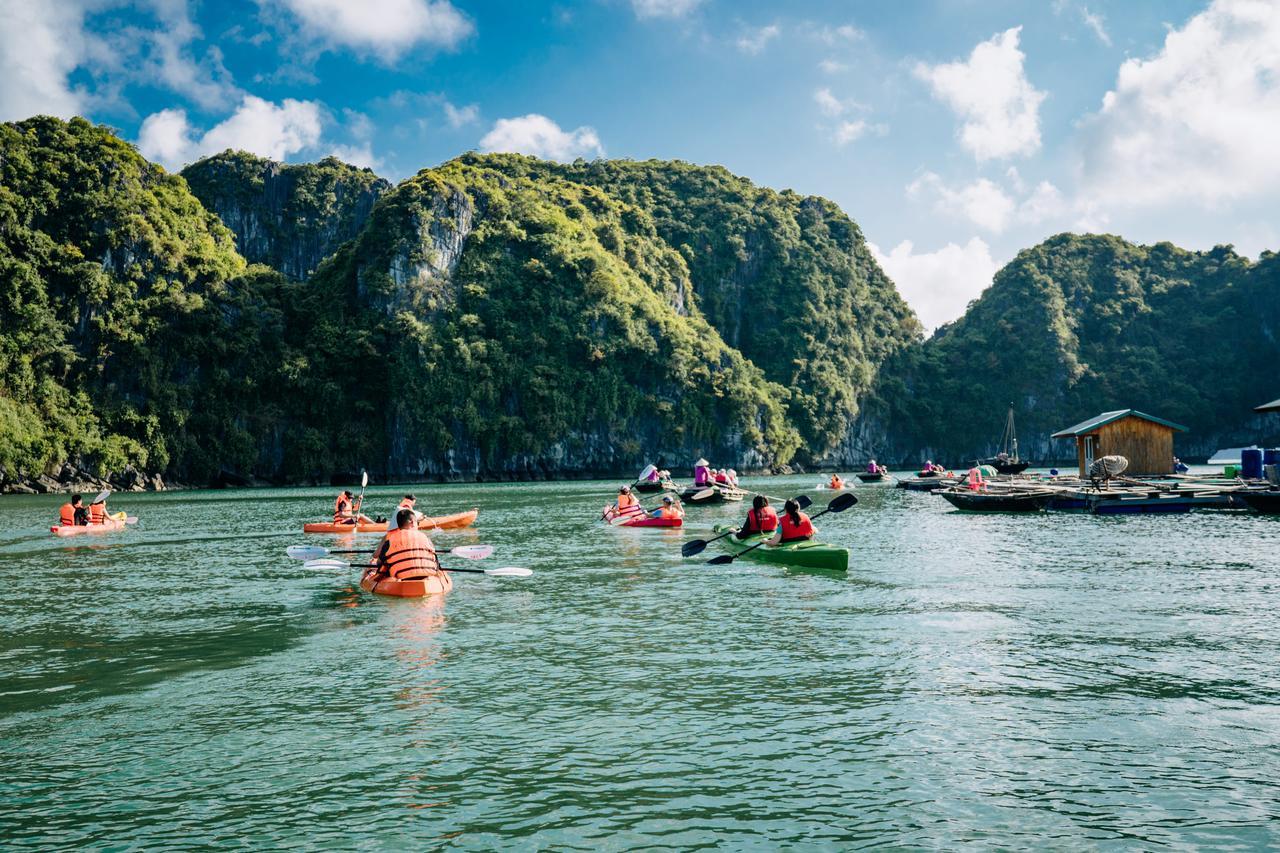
point(289, 217)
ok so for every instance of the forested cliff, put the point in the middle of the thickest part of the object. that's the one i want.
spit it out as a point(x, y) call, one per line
point(501, 316)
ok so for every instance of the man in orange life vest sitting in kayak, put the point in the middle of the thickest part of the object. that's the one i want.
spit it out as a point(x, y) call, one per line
point(73, 513)
point(836, 483)
point(346, 510)
point(761, 518)
point(406, 553)
point(408, 502)
point(793, 525)
point(669, 509)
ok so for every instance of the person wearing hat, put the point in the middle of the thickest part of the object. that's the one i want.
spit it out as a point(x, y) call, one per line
point(670, 508)
point(701, 474)
point(625, 505)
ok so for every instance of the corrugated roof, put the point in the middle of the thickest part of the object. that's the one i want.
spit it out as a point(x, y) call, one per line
point(1273, 406)
point(1097, 421)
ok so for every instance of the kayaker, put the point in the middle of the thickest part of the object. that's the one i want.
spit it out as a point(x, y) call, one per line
point(625, 505)
point(761, 518)
point(405, 553)
point(346, 510)
point(732, 476)
point(73, 513)
point(793, 525)
point(98, 512)
point(670, 509)
point(836, 483)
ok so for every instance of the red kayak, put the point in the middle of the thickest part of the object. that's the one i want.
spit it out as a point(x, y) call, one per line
point(646, 521)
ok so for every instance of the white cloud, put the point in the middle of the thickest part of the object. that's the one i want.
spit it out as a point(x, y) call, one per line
point(663, 8)
point(1045, 203)
point(1198, 121)
point(834, 35)
point(828, 103)
point(385, 28)
point(540, 136)
point(990, 92)
point(850, 131)
point(205, 81)
point(40, 45)
point(756, 40)
point(831, 66)
point(939, 285)
point(461, 116)
point(359, 154)
point(982, 202)
point(1096, 23)
point(257, 126)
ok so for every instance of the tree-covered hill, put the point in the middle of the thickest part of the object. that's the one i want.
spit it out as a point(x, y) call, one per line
point(1083, 324)
point(787, 279)
point(289, 217)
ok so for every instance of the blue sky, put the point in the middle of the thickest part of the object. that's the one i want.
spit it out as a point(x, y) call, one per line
point(955, 132)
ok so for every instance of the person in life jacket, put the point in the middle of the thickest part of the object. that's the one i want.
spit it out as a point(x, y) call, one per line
point(408, 502)
point(625, 505)
point(98, 512)
point(793, 525)
point(670, 508)
point(346, 510)
point(722, 477)
point(732, 477)
point(761, 518)
point(73, 513)
point(406, 553)
point(977, 483)
point(836, 483)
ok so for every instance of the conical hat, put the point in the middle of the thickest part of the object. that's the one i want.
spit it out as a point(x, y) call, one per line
point(702, 462)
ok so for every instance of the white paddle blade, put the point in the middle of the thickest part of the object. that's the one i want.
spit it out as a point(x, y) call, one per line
point(306, 552)
point(509, 572)
point(326, 564)
point(472, 552)
point(364, 479)
point(131, 519)
point(648, 469)
point(102, 496)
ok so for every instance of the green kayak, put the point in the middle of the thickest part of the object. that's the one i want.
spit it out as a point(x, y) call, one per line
point(809, 555)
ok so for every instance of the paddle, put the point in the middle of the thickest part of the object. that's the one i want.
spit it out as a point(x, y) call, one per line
point(840, 504)
point(312, 552)
point(355, 510)
point(697, 546)
point(503, 572)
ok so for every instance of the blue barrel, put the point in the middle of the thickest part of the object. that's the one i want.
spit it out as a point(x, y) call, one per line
point(1271, 457)
point(1251, 463)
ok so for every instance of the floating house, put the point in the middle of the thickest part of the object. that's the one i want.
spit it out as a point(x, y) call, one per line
point(1145, 440)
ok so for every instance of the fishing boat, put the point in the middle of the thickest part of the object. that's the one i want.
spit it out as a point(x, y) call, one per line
point(873, 478)
point(930, 483)
point(1012, 500)
point(1007, 461)
point(711, 495)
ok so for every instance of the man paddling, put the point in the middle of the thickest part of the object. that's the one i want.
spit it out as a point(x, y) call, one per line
point(670, 508)
point(405, 553)
point(73, 513)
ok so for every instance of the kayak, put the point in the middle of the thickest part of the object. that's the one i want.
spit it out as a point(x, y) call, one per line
point(807, 554)
point(648, 521)
point(434, 585)
point(443, 522)
point(718, 494)
point(80, 529)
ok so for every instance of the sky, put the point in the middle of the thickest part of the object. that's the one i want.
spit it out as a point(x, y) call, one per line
point(954, 132)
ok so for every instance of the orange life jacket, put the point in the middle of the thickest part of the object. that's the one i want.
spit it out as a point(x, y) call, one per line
point(792, 531)
point(669, 511)
point(761, 521)
point(410, 555)
point(626, 500)
point(342, 510)
point(97, 513)
point(836, 482)
point(67, 515)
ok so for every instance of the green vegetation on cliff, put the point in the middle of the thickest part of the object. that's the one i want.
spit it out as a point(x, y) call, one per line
point(787, 279)
point(1083, 324)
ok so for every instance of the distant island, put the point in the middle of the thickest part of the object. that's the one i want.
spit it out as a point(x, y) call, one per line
point(503, 317)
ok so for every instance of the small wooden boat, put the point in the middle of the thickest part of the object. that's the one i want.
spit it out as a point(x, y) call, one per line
point(927, 484)
point(873, 478)
point(1026, 500)
point(1266, 501)
point(650, 487)
point(717, 494)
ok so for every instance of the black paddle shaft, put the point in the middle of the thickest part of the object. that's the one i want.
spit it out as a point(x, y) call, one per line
point(840, 504)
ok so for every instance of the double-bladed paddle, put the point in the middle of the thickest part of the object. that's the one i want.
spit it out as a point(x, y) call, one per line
point(839, 504)
point(313, 552)
point(503, 572)
point(697, 546)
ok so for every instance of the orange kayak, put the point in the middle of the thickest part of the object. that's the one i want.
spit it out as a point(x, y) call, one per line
point(80, 529)
point(444, 522)
point(434, 585)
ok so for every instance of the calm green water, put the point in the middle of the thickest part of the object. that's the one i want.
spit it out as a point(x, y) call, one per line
point(1049, 681)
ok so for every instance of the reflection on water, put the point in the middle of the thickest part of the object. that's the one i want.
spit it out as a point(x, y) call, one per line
point(1046, 681)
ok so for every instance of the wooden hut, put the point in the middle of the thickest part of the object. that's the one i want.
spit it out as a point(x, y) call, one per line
point(1145, 440)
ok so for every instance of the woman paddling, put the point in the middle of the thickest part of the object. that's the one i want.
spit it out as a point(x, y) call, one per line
point(625, 505)
point(761, 518)
point(794, 525)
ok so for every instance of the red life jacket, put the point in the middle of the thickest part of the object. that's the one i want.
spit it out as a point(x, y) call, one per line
point(761, 521)
point(792, 531)
point(410, 555)
point(67, 515)
point(97, 513)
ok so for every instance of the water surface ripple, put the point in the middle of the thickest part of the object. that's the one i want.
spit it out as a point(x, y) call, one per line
point(1053, 681)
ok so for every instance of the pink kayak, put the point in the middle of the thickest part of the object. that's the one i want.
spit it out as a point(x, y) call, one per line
point(81, 529)
point(646, 521)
